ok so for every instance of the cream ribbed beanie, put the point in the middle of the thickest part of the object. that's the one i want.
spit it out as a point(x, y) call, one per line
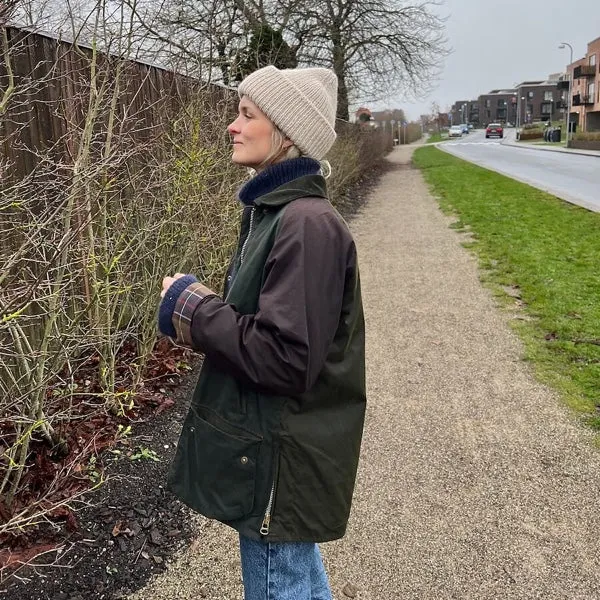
point(301, 102)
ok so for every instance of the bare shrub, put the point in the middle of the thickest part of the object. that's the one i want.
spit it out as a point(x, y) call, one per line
point(114, 174)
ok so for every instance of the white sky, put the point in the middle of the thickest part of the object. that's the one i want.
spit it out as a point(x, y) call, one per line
point(496, 44)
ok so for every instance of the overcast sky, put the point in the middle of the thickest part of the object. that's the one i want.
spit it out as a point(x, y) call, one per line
point(496, 44)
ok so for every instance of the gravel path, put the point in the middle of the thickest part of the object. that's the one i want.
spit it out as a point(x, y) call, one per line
point(474, 481)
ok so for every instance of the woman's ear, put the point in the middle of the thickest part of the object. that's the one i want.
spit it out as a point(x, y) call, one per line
point(287, 144)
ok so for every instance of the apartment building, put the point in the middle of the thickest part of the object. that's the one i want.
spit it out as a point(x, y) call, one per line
point(585, 93)
point(498, 106)
point(459, 112)
point(465, 111)
point(540, 101)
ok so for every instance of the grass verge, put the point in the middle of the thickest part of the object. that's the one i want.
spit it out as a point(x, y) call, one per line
point(540, 257)
point(437, 137)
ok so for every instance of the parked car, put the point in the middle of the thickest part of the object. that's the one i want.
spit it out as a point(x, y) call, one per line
point(455, 131)
point(494, 129)
point(465, 127)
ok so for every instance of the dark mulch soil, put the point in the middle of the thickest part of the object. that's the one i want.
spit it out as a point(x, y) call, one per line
point(130, 525)
point(127, 527)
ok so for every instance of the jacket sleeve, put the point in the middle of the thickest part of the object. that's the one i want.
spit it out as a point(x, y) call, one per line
point(283, 347)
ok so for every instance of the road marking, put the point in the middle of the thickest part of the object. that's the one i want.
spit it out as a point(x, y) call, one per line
point(486, 143)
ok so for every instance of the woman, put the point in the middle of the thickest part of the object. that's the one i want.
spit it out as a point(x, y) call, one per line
point(271, 442)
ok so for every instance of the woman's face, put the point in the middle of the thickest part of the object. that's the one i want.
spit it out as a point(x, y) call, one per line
point(252, 136)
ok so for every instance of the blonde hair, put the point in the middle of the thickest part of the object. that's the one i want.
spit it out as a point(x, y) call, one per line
point(279, 153)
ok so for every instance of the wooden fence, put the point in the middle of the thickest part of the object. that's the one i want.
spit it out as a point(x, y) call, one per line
point(50, 81)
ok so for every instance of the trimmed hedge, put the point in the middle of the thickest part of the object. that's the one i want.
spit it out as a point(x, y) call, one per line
point(585, 144)
point(589, 136)
point(531, 134)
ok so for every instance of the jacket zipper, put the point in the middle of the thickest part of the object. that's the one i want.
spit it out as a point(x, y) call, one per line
point(264, 528)
point(243, 251)
point(266, 523)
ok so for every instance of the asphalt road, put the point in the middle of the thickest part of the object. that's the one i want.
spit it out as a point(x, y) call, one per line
point(572, 177)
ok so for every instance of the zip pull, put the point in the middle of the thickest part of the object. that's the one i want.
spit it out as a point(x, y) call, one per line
point(264, 529)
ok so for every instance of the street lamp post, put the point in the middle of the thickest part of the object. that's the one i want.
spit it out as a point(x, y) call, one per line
point(570, 89)
point(520, 118)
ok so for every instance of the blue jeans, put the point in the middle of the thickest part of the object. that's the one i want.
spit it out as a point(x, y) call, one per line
point(283, 571)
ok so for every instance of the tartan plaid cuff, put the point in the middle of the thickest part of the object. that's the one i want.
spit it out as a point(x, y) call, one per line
point(187, 302)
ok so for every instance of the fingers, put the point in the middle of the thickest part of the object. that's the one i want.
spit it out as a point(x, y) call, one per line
point(167, 282)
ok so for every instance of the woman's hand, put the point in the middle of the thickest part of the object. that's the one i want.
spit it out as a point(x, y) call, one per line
point(167, 282)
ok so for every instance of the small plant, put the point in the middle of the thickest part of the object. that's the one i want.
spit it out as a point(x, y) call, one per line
point(92, 471)
point(123, 432)
point(145, 454)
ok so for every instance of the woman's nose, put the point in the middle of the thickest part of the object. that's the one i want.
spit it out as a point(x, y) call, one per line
point(233, 128)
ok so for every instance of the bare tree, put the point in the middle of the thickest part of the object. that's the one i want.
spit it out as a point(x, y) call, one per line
point(376, 47)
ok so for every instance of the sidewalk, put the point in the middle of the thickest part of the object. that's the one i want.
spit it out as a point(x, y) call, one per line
point(474, 482)
point(511, 141)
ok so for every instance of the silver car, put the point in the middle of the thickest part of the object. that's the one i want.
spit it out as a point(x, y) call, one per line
point(455, 131)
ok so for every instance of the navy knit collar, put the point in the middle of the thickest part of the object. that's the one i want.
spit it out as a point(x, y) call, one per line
point(276, 175)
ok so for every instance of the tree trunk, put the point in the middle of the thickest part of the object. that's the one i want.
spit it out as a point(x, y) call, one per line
point(339, 65)
point(342, 103)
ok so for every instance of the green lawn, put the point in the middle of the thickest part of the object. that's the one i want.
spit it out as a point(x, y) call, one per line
point(541, 256)
point(437, 137)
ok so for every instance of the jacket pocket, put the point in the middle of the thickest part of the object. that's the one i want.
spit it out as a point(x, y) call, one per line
point(214, 470)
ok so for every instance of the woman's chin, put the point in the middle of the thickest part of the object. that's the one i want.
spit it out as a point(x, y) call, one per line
point(238, 158)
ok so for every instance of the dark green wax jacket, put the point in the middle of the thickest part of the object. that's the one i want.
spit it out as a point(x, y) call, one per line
point(271, 442)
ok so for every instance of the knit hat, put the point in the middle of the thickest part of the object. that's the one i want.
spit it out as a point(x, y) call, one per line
point(301, 102)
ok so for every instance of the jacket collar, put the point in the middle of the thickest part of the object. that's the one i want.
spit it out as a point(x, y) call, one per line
point(283, 182)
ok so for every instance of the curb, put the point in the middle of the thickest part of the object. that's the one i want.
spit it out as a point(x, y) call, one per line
point(545, 149)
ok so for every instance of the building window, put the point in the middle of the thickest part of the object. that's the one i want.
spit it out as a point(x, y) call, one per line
point(546, 109)
point(488, 103)
point(592, 91)
point(530, 95)
point(592, 60)
point(548, 96)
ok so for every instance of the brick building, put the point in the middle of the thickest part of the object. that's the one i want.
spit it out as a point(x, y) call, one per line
point(499, 106)
point(540, 101)
point(465, 111)
point(585, 95)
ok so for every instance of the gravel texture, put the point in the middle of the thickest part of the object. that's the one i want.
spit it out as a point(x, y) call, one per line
point(474, 481)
